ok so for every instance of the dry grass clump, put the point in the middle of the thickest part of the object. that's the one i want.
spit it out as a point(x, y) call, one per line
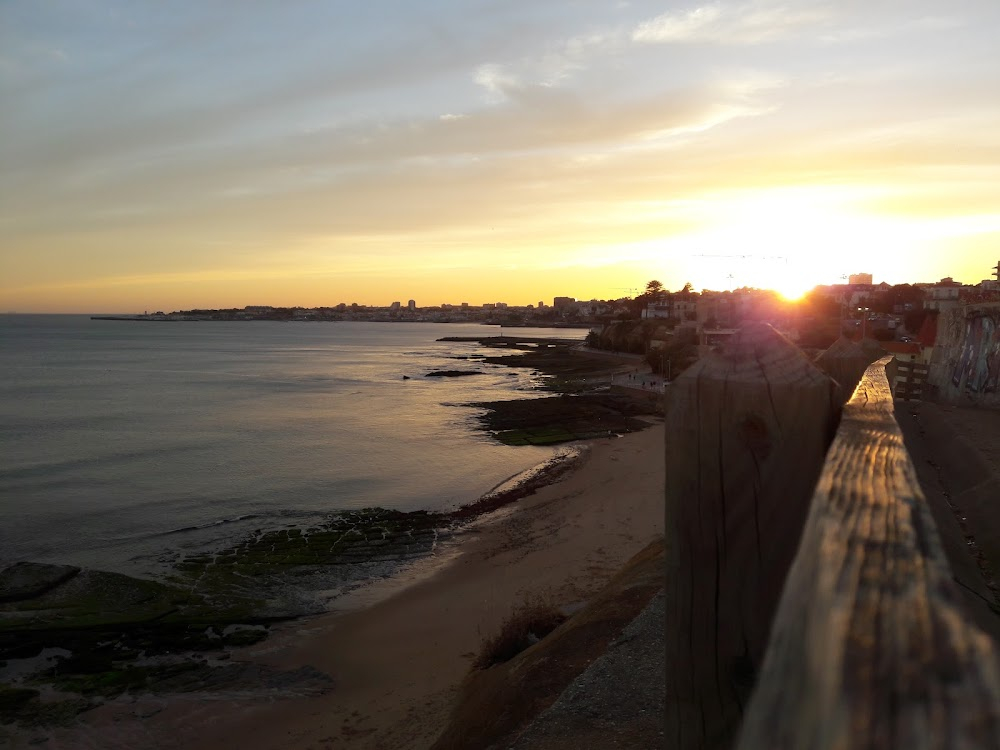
point(525, 626)
point(494, 705)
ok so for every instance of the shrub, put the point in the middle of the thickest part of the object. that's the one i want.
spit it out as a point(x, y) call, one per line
point(525, 626)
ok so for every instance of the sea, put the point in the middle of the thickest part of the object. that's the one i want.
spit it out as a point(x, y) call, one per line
point(127, 445)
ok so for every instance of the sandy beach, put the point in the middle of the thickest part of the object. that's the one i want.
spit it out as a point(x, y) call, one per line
point(396, 659)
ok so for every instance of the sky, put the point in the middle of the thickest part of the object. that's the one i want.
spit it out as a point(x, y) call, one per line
point(210, 154)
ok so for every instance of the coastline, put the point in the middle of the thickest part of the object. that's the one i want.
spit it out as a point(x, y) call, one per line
point(395, 664)
point(521, 513)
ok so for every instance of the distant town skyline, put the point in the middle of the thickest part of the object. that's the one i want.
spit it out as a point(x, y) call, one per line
point(218, 154)
point(854, 280)
point(854, 283)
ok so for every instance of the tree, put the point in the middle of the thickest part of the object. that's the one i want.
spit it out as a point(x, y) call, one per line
point(654, 290)
point(898, 298)
point(676, 356)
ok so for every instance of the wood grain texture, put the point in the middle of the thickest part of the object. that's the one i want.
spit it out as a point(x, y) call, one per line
point(745, 440)
point(869, 647)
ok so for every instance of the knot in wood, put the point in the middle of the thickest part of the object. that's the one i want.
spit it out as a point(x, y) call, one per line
point(754, 434)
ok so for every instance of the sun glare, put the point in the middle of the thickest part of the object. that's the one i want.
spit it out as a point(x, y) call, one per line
point(786, 239)
point(793, 290)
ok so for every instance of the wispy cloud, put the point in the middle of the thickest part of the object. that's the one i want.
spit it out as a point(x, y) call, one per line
point(681, 26)
point(855, 32)
point(746, 23)
point(556, 64)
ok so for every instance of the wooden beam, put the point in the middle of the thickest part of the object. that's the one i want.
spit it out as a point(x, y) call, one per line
point(747, 431)
point(870, 647)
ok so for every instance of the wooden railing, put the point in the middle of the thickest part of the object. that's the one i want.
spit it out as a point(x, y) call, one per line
point(809, 602)
point(870, 647)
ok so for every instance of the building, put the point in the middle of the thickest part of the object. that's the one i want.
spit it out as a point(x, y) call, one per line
point(676, 306)
point(394, 306)
point(411, 305)
point(861, 279)
point(657, 310)
point(563, 303)
point(593, 308)
point(943, 294)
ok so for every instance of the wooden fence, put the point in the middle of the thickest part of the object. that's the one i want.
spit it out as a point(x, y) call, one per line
point(866, 645)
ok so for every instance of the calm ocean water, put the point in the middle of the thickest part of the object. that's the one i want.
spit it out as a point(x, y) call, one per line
point(123, 443)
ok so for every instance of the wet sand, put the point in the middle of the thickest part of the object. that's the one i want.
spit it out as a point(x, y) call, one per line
point(397, 661)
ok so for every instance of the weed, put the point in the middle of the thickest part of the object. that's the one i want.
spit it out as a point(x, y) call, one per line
point(526, 625)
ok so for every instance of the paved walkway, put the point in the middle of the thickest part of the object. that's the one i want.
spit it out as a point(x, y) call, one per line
point(617, 702)
point(640, 381)
point(956, 452)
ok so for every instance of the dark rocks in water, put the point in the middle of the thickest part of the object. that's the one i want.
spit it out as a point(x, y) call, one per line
point(406, 377)
point(12, 698)
point(98, 607)
point(211, 603)
point(26, 580)
point(453, 373)
point(365, 535)
point(560, 419)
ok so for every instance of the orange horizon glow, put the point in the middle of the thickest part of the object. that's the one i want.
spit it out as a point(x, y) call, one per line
point(556, 153)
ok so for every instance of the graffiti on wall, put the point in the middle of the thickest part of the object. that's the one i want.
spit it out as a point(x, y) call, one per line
point(979, 365)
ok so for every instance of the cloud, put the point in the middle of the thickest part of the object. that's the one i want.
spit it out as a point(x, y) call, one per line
point(387, 172)
point(496, 80)
point(678, 27)
point(871, 29)
point(556, 64)
point(747, 23)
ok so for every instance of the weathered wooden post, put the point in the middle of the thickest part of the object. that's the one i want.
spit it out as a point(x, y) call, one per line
point(747, 431)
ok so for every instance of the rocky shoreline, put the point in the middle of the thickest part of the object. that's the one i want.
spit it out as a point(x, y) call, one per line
point(71, 639)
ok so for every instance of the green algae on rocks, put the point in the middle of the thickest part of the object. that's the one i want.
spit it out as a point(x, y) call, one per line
point(561, 419)
point(369, 535)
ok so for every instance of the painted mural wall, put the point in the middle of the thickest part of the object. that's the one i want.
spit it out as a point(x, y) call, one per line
point(965, 367)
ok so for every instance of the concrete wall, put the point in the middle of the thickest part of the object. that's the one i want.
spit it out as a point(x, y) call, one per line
point(965, 366)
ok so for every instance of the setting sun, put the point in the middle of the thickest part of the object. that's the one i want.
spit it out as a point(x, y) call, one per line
point(791, 239)
point(792, 291)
